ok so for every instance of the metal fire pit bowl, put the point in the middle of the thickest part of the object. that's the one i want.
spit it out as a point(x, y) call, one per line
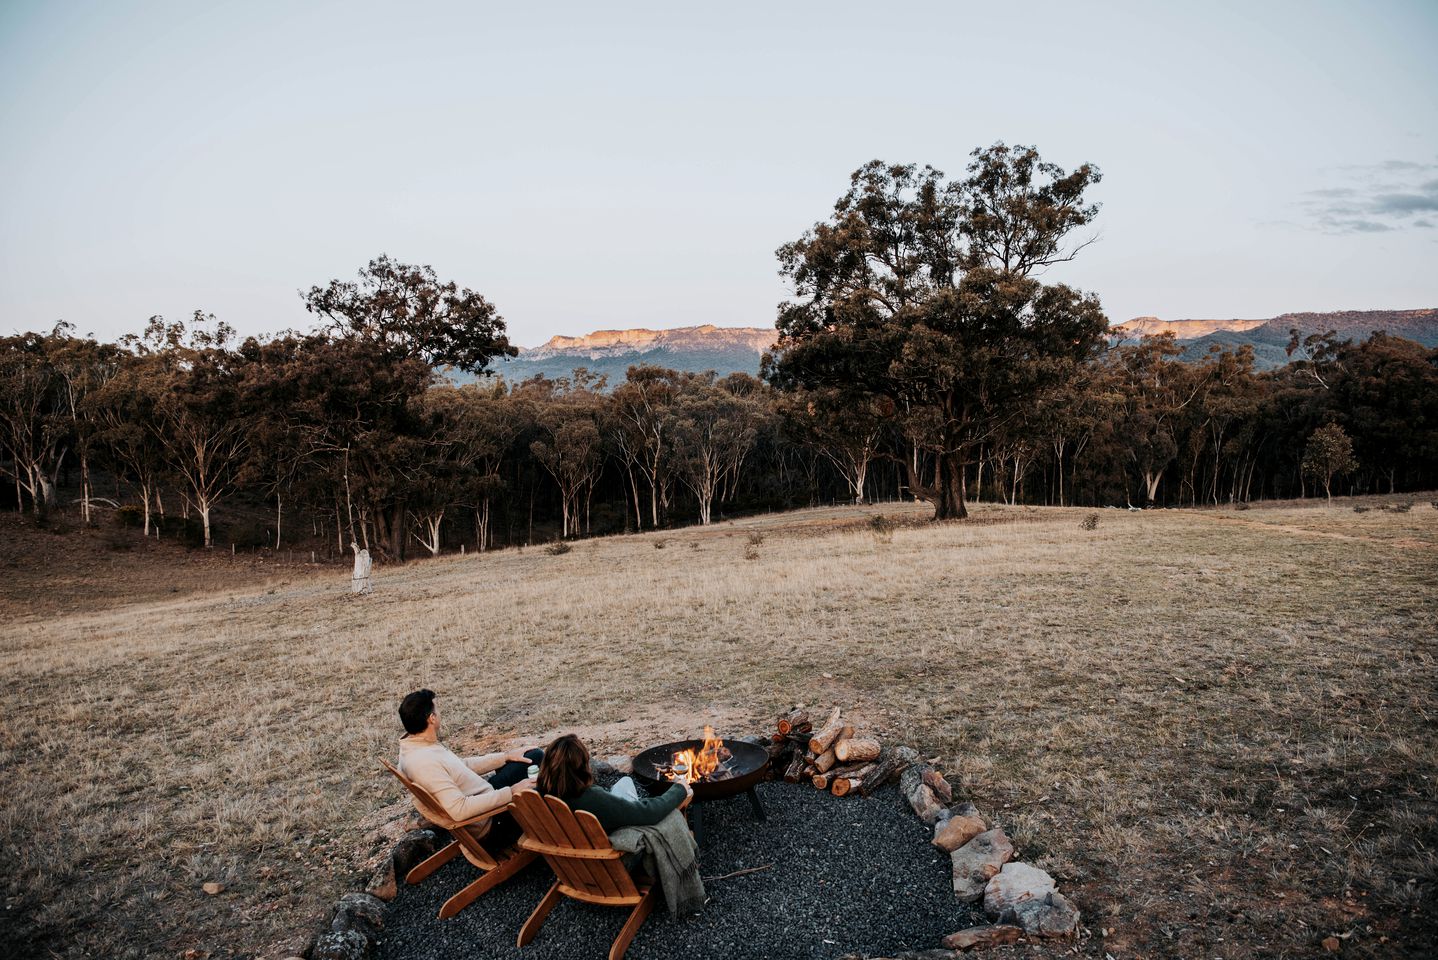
point(746, 767)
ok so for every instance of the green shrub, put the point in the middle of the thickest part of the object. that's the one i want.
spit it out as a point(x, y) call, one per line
point(129, 516)
point(558, 548)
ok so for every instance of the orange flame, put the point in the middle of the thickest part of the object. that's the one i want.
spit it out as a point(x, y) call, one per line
point(690, 766)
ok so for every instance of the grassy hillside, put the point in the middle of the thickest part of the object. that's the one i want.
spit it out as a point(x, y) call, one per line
point(1214, 728)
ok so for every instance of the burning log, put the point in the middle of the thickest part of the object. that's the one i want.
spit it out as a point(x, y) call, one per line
point(853, 749)
point(887, 768)
point(793, 721)
point(827, 734)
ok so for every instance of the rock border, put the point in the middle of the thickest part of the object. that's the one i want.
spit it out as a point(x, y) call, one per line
point(1022, 900)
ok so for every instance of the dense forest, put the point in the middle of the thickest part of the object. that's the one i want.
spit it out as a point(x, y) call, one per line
point(920, 357)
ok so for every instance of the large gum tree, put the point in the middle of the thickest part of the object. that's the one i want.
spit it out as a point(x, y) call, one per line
point(921, 294)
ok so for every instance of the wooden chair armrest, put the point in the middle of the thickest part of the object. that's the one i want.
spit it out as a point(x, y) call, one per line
point(572, 853)
point(482, 817)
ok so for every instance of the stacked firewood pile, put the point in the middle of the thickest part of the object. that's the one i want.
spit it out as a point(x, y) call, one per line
point(831, 756)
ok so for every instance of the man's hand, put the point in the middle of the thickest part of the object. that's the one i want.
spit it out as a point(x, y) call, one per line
point(517, 755)
point(688, 795)
point(531, 783)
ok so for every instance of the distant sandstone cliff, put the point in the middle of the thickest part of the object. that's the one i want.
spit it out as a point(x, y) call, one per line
point(728, 350)
point(1182, 329)
point(724, 350)
point(1269, 338)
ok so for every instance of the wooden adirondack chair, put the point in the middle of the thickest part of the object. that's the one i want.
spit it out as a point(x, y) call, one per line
point(496, 868)
point(588, 867)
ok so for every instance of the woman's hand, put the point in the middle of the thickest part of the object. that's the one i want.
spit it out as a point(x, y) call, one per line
point(688, 795)
point(517, 755)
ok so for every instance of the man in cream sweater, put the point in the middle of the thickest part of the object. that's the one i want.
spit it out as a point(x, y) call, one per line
point(456, 784)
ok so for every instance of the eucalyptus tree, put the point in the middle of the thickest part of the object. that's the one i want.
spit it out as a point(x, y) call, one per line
point(643, 405)
point(83, 367)
point(920, 291)
point(845, 429)
point(571, 444)
point(713, 428)
point(409, 313)
point(1328, 453)
point(200, 418)
point(33, 417)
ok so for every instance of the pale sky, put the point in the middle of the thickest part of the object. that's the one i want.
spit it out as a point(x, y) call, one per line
point(594, 166)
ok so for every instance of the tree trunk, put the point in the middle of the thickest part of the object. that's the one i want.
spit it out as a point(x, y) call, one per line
point(1151, 481)
point(85, 488)
point(949, 504)
point(482, 523)
point(634, 489)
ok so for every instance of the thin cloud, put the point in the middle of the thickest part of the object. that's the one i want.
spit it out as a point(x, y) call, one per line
point(1391, 195)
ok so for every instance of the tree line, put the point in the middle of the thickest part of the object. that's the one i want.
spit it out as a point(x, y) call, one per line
point(921, 356)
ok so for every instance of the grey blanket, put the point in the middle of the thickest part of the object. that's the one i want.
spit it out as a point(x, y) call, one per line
point(670, 856)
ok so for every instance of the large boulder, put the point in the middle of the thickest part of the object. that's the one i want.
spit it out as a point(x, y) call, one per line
point(344, 945)
point(921, 796)
point(360, 912)
point(414, 848)
point(987, 936)
point(933, 954)
point(964, 824)
point(977, 861)
point(1016, 883)
point(1053, 915)
point(382, 882)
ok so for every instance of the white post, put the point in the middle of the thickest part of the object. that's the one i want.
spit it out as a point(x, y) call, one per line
point(360, 582)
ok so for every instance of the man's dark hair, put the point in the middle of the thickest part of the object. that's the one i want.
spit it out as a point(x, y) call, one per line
point(414, 710)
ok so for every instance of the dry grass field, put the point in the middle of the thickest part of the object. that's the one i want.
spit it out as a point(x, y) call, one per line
point(1215, 728)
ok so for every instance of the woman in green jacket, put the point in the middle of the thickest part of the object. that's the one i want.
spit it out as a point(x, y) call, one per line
point(565, 773)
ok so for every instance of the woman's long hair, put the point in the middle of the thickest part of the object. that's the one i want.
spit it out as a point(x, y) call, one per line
point(564, 772)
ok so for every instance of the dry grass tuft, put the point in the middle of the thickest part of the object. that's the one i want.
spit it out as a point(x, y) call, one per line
point(1216, 730)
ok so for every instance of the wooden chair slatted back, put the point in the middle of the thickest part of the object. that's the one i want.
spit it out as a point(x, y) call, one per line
point(575, 872)
point(430, 809)
point(550, 821)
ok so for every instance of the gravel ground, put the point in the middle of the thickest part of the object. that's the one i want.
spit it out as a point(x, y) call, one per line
point(848, 874)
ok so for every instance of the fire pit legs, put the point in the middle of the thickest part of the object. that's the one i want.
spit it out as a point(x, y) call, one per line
point(696, 815)
point(758, 807)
